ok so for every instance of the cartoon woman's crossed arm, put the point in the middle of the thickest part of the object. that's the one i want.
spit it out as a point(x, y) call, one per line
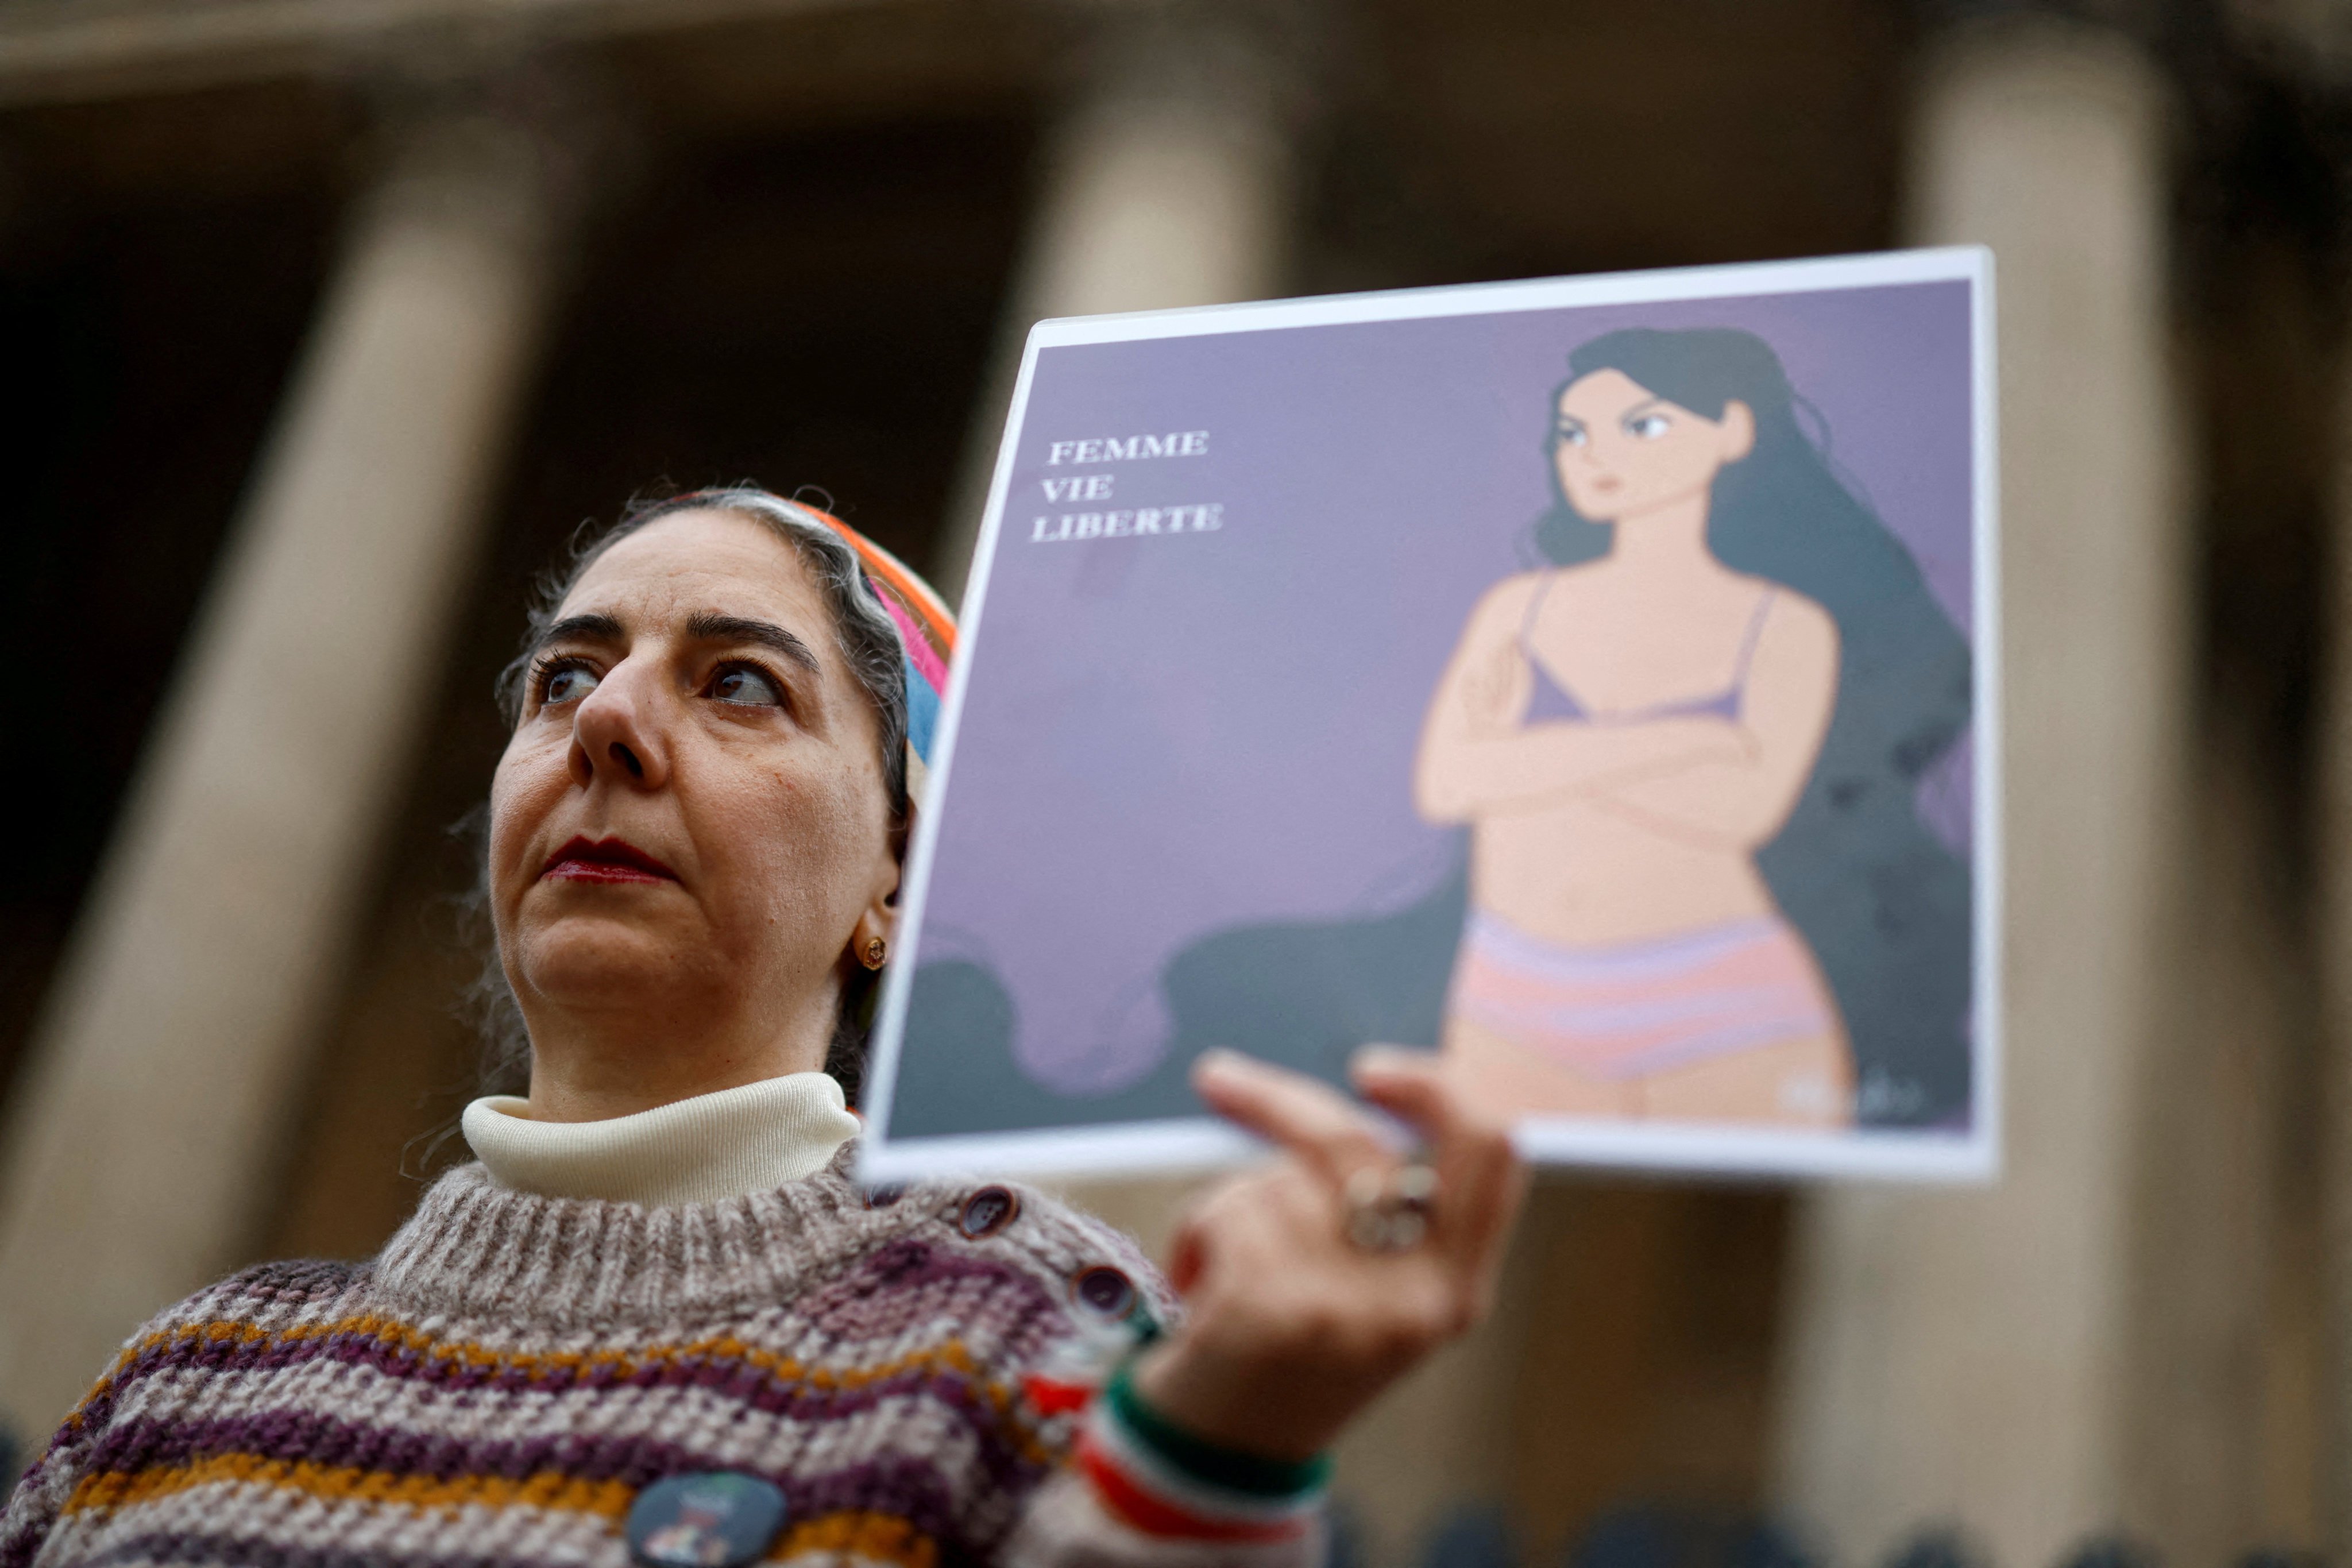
point(1784, 712)
point(1713, 779)
point(1475, 757)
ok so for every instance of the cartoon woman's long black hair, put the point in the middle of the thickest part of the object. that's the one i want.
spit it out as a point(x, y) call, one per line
point(1880, 900)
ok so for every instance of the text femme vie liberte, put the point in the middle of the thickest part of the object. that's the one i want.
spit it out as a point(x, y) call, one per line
point(1199, 517)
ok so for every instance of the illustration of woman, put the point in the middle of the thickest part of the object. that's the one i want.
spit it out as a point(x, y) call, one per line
point(1689, 750)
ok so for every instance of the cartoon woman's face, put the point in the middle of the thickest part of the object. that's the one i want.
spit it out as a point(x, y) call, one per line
point(1622, 452)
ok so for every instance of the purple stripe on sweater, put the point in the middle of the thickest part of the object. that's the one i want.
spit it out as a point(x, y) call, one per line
point(896, 1288)
point(634, 1460)
point(239, 1552)
point(732, 1376)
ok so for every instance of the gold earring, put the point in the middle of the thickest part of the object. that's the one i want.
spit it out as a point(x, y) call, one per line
point(877, 950)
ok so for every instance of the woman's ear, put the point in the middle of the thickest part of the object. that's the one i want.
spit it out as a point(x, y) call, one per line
point(1738, 422)
point(880, 916)
point(877, 923)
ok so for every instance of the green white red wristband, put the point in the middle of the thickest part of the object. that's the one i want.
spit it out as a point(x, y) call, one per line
point(1163, 1482)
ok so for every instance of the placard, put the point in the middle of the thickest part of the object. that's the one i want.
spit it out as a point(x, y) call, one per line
point(1593, 679)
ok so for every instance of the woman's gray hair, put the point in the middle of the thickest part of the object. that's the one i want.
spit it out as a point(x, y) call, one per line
point(870, 647)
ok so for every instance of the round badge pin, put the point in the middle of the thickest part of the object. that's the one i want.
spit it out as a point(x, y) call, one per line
point(719, 1519)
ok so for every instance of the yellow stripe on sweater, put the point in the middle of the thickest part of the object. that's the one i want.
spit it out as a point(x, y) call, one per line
point(548, 1489)
point(879, 1537)
point(876, 1537)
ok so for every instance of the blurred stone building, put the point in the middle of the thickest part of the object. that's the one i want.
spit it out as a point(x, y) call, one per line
point(327, 321)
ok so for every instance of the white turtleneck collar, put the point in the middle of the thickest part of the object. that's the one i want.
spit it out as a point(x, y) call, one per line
point(750, 1139)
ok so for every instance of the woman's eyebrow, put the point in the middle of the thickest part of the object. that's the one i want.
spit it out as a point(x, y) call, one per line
point(703, 627)
point(582, 628)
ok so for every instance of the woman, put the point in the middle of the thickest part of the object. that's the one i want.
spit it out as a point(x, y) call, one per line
point(1728, 656)
point(658, 1321)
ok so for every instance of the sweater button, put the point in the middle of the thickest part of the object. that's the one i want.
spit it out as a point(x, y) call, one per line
point(719, 1518)
point(986, 1212)
point(1104, 1291)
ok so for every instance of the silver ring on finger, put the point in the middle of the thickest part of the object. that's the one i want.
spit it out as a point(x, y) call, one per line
point(1387, 1208)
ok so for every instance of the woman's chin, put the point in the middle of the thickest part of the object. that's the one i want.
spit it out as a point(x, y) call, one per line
point(603, 963)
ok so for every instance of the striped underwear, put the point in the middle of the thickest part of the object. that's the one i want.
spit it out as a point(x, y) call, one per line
point(1630, 1009)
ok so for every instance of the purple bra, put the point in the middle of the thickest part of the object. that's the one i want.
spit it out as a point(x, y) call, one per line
point(1553, 702)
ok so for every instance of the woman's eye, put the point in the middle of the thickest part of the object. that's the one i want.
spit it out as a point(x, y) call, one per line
point(1648, 427)
point(567, 683)
point(748, 687)
point(1571, 436)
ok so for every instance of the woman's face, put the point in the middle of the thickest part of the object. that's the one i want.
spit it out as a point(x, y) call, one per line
point(690, 815)
point(1622, 452)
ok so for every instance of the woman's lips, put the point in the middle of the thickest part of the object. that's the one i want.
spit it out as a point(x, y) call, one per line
point(604, 860)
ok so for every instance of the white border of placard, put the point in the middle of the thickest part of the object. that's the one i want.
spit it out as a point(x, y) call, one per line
point(1131, 1148)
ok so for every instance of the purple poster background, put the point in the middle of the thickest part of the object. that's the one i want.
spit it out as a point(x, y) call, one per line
point(1168, 735)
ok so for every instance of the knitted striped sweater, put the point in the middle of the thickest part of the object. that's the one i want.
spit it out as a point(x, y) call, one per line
point(498, 1384)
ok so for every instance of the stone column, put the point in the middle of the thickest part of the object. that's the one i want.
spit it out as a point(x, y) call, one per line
point(1960, 1356)
point(171, 1052)
point(1167, 182)
point(2334, 949)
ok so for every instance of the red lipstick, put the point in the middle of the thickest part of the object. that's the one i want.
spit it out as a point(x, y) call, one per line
point(605, 860)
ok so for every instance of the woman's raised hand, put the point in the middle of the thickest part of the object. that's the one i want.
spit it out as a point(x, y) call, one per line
point(1314, 1282)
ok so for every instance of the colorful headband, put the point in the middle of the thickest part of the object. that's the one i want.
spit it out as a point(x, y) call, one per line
point(926, 634)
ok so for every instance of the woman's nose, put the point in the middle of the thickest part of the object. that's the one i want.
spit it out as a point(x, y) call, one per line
point(618, 731)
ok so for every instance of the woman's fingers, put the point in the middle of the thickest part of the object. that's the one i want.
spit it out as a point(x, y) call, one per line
point(1480, 1173)
point(1292, 1326)
point(1411, 1085)
point(1481, 1179)
point(1299, 1114)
